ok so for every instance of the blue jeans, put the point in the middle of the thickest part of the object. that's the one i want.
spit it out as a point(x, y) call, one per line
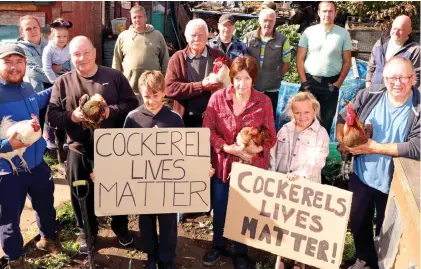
point(219, 204)
point(39, 186)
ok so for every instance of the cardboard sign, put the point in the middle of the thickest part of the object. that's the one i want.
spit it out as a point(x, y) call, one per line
point(152, 171)
point(299, 219)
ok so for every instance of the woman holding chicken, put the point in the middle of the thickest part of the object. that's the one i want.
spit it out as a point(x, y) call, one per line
point(228, 112)
point(302, 146)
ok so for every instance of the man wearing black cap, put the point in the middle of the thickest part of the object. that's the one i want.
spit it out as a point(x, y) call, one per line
point(18, 102)
point(225, 41)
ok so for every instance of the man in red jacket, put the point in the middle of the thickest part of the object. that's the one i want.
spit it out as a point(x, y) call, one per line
point(187, 78)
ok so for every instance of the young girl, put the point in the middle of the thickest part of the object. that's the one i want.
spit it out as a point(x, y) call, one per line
point(301, 148)
point(55, 62)
point(56, 55)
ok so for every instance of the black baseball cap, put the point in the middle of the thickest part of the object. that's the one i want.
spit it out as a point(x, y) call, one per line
point(226, 17)
point(61, 23)
point(9, 49)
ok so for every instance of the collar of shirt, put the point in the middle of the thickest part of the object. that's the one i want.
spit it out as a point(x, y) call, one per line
point(315, 126)
point(147, 112)
point(203, 54)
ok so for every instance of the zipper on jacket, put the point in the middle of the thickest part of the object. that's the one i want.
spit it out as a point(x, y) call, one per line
point(24, 100)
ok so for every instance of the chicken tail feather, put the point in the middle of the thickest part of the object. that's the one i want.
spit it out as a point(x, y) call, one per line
point(6, 123)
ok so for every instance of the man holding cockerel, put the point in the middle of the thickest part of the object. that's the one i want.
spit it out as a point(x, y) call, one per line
point(89, 97)
point(393, 111)
point(22, 168)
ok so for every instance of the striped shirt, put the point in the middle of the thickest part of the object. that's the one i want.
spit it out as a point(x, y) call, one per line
point(286, 56)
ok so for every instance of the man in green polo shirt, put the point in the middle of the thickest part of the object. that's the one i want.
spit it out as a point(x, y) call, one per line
point(323, 61)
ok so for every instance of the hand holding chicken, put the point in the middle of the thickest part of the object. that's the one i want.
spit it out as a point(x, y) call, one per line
point(91, 111)
point(251, 139)
point(21, 135)
point(356, 136)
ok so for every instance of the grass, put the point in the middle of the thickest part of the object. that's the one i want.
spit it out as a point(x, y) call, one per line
point(50, 262)
point(67, 221)
point(51, 161)
point(268, 263)
point(349, 248)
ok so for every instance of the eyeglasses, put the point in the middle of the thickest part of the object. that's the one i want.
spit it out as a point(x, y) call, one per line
point(392, 80)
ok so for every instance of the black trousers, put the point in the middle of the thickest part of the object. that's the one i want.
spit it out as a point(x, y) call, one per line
point(274, 99)
point(79, 167)
point(193, 121)
point(326, 94)
point(164, 247)
point(364, 200)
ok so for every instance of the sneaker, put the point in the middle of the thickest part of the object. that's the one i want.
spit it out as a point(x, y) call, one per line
point(242, 261)
point(212, 256)
point(16, 264)
point(124, 238)
point(167, 265)
point(83, 243)
point(49, 245)
point(359, 264)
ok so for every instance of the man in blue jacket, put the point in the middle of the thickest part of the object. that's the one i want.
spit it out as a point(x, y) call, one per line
point(19, 100)
point(400, 43)
point(393, 110)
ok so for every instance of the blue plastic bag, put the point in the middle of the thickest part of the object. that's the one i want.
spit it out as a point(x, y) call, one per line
point(351, 85)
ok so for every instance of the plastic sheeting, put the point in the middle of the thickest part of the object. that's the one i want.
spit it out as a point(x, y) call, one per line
point(354, 81)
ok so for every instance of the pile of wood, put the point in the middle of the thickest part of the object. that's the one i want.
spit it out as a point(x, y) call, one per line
point(248, 7)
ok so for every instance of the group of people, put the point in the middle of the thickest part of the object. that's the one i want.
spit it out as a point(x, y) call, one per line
point(143, 74)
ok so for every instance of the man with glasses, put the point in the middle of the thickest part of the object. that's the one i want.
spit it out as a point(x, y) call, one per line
point(400, 43)
point(140, 48)
point(64, 113)
point(393, 110)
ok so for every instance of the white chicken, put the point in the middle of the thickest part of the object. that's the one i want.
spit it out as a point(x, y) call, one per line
point(28, 132)
point(220, 72)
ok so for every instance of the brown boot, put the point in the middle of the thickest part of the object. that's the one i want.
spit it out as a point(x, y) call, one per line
point(16, 264)
point(49, 245)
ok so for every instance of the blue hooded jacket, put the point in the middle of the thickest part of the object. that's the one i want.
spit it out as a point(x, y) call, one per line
point(19, 101)
point(34, 72)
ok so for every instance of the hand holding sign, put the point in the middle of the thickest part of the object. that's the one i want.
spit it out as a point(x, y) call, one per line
point(292, 176)
point(299, 220)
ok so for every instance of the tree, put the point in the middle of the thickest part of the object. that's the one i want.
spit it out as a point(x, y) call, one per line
point(382, 13)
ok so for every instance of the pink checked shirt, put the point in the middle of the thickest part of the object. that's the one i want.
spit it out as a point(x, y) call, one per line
point(224, 126)
point(309, 155)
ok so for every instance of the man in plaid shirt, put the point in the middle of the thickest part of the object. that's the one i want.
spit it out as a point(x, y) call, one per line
point(225, 41)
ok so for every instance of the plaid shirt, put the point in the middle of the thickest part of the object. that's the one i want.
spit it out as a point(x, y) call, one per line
point(224, 126)
point(235, 48)
point(309, 155)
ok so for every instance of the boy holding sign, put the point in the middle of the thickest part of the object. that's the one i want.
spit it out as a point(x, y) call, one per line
point(154, 114)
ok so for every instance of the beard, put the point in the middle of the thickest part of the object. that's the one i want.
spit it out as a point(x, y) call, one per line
point(13, 78)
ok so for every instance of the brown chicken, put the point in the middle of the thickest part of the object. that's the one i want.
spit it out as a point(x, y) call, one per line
point(252, 135)
point(93, 109)
point(355, 134)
